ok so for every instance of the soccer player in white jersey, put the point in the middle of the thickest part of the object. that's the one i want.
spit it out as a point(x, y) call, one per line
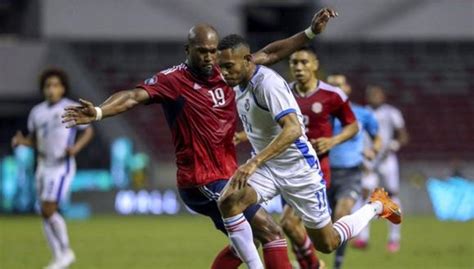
point(283, 161)
point(384, 168)
point(56, 147)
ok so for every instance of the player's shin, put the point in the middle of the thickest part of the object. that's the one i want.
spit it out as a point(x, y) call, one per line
point(240, 234)
point(52, 240)
point(226, 259)
point(275, 255)
point(351, 225)
point(59, 228)
point(306, 254)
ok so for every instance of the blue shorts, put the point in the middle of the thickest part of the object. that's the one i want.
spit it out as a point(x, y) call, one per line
point(203, 200)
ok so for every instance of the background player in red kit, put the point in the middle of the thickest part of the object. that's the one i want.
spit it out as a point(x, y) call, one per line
point(201, 113)
point(318, 102)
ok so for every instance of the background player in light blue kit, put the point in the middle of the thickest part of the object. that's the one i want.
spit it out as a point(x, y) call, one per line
point(346, 161)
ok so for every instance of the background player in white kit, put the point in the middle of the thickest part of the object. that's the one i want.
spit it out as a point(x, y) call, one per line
point(384, 170)
point(56, 147)
point(283, 161)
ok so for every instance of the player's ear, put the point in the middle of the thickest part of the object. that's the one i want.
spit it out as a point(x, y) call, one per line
point(248, 58)
point(186, 49)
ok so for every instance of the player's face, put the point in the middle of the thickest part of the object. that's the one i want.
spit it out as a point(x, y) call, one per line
point(201, 55)
point(375, 96)
point(341, 82)
point(303, 66)
point(235, 65)
point(53, 89)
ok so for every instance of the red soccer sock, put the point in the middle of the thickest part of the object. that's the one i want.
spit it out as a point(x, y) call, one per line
point(275, 255)
point(226, 259)
point(306, 255)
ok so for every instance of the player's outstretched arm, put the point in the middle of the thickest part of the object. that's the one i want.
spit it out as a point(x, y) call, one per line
point(117, 103)
point(278, 50)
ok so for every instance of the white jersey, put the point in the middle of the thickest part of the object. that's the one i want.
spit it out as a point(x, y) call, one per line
point(265, 100)
point(389, 119)
point(52, 136)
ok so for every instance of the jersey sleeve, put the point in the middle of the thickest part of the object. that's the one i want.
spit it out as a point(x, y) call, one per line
point(370, 124)
point(275, 95)
point(159, 88)
point(397, 119)
point(344, 112)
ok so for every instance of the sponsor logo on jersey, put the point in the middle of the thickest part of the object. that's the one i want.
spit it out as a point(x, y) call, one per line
point(317, 107)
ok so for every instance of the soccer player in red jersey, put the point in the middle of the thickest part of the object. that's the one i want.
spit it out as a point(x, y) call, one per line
point(201, 112)
point(318, 102)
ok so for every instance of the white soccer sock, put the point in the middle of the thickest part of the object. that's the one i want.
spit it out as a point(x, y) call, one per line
point(351, 225)
point(52, 240)
point(59, 229)
point(240, 234)
point(395, 229)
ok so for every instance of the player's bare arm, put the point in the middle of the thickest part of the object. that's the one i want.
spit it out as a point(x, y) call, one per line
point(84, 138)
point(240, 137)
point(371, 152)
point(117, 103)
point(401, 139)
point(324, 144)
point(20, 139)
point(291, 130)
point(278, 50)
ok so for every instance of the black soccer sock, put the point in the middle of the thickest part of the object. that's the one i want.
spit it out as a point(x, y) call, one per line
point(340, 252)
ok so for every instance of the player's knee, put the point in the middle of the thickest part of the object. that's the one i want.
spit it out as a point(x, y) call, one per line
point(288, 222)
point(269, 232)
point(47, 210)
point(229, 204)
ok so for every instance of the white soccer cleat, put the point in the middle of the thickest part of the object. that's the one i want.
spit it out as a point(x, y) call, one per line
point(67, 258)
point(54, 264)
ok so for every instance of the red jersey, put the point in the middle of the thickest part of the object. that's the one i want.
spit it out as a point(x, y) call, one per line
point(201, 114)
point(325, 102)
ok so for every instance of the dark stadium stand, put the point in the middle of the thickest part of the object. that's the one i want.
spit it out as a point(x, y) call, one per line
point(429, 82)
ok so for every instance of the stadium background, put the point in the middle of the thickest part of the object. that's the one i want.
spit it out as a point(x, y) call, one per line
point(422, 52)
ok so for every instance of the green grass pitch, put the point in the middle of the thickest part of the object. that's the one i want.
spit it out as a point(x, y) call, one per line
point(192, 242)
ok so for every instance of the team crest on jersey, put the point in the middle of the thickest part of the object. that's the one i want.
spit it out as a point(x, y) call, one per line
point(152, 80)
point(247, 104)
point(317, 107)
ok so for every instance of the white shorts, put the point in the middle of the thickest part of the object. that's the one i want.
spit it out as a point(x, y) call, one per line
point(385, 173)
point(53, 181)
point(304, 192)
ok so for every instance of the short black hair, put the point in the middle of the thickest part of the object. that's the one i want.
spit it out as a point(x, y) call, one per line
point(232, 41)
point(307, 49)
point(54, 72)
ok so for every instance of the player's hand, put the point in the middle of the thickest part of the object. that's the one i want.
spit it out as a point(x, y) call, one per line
point(321, 18)
point(71, 151)
point(77, 115)
point(323, 145)
point(17, 139)
point(369, 154)
point(239, 137)
point(242, 174)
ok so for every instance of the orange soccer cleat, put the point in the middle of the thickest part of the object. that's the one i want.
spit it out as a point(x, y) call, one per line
point(391, 210)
